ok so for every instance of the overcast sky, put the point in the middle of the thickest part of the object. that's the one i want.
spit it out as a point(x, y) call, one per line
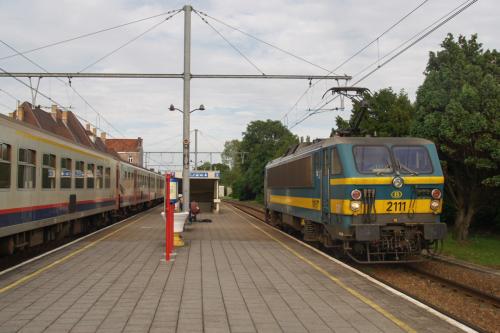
point(323, 32)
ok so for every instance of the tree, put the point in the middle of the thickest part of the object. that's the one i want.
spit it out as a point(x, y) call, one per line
point(262, 141)
point(231, 156)
point(389, 114)
point(458, 107)
point(230, 153)
point(204, 166)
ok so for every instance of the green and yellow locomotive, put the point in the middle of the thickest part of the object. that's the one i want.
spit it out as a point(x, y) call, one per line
point(374, 199)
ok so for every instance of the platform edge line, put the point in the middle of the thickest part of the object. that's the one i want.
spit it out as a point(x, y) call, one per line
point(63, 259)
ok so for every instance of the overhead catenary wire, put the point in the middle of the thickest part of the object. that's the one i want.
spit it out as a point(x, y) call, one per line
point(9, 94)
point(154, 26)
point(355, 54)
point(66, 84)
point(165, 140)
point(6, 106)
point(211, 138)
point(439, 22)
point(231, 44)
point(45, 96)
point(435, 25)
point(87, 35)
point(264, 42)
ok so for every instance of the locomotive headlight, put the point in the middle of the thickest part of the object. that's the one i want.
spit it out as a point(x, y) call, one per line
point(355, 205)
point(356, 194)
point(435, 205)
point(398, 182)
point(436, 193)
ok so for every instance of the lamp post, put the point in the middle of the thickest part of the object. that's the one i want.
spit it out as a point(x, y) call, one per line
point(185, 141)
point(173, 108)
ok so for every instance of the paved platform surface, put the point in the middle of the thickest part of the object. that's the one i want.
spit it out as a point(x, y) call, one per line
point(230, 277)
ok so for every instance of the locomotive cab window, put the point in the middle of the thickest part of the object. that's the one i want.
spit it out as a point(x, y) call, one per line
point(26, 169)
point(79, 174)
point(66, 172)
point(49, 171)
point(5, 165)
point(372, 159)
point(336, 165)
point(412, 159)
point(90, 175)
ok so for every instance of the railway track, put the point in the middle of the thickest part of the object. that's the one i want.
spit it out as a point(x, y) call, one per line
point(468, 304)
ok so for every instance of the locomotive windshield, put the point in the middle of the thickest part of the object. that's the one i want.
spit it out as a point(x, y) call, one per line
point(372, 159)
point(412, 159)
point(407, 159)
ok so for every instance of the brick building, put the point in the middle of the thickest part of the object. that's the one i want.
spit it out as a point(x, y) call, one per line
point(129, 150)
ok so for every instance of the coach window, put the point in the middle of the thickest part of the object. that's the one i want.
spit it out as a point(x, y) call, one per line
point(336, 166)
point(99, 176)
point(79, 174)
point(107, 178)
point(26, 169)
point(49, 171)
point(90, 175)
point(66, 172)
point(5, 165)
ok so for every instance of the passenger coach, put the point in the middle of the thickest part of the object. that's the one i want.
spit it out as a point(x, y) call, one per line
point(51, 186)
point(374, 199)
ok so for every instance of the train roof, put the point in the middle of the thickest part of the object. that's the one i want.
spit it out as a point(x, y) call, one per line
point(304, 148)
point(97, 147)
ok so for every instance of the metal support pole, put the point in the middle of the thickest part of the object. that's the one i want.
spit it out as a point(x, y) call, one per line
point(186, 105)
point(166, 209)
point(196, 149)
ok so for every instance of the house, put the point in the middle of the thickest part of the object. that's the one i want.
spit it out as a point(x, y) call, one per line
point(129, 150)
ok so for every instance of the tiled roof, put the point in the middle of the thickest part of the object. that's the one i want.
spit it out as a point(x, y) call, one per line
point(61, 123)
point(124, 145)
point(47, 122)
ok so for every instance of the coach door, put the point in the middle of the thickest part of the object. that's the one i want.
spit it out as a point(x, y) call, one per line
point(325, 185)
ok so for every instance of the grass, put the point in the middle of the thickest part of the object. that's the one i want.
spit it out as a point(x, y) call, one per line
point(481, 250)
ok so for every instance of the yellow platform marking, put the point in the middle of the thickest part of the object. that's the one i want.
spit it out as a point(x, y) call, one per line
point(387, 180)
point(309, 203)
point(420, 206)
point(333, 278)
point(57, 144)
point(65, 258)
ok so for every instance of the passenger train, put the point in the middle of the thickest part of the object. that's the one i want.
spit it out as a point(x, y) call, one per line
point(376, 200)
point(51, 187)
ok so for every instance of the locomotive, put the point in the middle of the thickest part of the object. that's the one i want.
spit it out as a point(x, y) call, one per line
point(373, 199)
point(58, 179)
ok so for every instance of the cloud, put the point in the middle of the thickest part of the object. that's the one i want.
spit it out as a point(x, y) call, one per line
point(325, 32)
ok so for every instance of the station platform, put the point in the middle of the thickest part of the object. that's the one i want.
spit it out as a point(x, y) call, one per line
point(235, 274)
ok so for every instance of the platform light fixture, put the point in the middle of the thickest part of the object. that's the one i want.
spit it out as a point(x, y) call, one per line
point(173, 108)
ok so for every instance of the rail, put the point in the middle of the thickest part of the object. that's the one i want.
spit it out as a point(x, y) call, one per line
point(411, 272)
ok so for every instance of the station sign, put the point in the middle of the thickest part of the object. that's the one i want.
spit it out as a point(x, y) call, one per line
point(174, 190)
point(196, 174)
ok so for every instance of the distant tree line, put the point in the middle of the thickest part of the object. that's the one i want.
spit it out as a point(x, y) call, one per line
point(457, 107)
